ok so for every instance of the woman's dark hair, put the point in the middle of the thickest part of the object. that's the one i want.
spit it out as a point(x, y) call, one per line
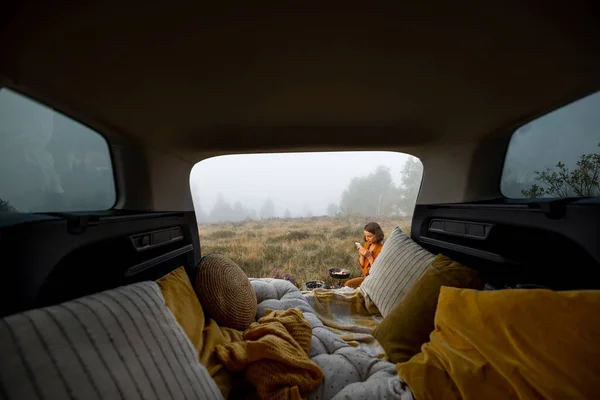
point(375, 229)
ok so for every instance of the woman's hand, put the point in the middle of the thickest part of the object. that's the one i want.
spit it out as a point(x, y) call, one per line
point(364, 252)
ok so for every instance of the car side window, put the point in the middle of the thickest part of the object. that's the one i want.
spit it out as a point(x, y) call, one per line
point(50, 163)
point(556, 155)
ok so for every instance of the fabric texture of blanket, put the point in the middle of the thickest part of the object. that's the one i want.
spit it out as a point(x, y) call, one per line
point(274, 356)
point(344, 313)
point(204, 333)
point(349, 372)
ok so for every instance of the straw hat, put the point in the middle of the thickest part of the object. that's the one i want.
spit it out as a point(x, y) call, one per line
point(225, 292)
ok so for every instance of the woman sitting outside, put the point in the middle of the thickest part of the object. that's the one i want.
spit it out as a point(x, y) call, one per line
point(373, 237)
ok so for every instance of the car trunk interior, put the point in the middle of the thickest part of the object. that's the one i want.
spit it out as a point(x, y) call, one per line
point(448, 84)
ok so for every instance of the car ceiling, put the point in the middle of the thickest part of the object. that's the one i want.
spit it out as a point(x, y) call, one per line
point(194, 79)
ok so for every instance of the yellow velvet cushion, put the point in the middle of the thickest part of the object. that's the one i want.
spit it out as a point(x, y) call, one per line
point(508, 344)
point(407, 327)
point(181, 299)
point(225, 292)
point(205, 334)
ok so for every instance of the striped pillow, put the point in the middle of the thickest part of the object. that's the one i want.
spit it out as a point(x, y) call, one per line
point(122, 343)
point(398, 266)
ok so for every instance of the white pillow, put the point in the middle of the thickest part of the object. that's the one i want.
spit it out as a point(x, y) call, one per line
point(399, 265)
point(123, 343)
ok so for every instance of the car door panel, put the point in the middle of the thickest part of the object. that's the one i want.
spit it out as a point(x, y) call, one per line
point(521, 243)
point(57, 258)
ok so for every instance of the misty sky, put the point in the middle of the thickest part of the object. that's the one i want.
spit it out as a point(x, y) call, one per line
point(294, 181)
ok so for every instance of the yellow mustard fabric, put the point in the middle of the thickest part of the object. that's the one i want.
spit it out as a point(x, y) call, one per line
point(408, 326)
point(274, 356)
point(508, 344)
point(214, 335)
point(181, 299)
point(205, 334)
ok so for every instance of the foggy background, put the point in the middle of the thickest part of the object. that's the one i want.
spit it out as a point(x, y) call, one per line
point(301, 185)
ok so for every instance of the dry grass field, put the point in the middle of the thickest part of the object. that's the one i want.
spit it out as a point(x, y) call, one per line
point(299, 250)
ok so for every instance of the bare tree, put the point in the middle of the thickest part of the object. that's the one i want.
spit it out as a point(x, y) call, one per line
point(560, 181)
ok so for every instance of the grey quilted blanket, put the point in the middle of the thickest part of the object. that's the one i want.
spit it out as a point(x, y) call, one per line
point(350, 373)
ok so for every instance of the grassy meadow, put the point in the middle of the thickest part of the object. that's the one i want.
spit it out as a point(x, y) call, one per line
point(299, 250)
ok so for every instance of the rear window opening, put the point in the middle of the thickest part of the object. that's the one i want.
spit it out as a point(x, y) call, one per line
point(295, 216)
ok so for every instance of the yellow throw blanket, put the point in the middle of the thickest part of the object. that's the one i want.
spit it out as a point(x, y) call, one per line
point(204, 334)
point(274, 355)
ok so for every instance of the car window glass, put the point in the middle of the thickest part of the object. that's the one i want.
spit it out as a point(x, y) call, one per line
point(50, 163)
point(556, 155)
